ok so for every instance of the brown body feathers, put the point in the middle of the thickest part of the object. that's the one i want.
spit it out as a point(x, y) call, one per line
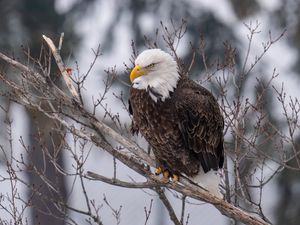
point(185, 131)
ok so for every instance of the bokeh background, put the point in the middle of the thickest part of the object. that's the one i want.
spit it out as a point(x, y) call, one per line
point(114, 24)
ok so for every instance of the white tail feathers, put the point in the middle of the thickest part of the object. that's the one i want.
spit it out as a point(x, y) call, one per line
point(211, 181)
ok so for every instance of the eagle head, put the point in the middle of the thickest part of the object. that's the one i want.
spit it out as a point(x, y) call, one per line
point(156, 72)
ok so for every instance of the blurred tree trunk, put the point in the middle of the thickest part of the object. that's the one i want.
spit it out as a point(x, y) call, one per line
point(287, 210)
point(47, 143)
point(23, 23)
point(40, 17)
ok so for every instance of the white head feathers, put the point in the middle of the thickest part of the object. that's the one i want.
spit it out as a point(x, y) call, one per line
point(159, 73)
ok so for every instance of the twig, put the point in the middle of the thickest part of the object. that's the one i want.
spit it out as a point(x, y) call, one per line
point(148, 212)
point(168, 205)
point(182, 208)
point(60, 41)
point(116, 212)
point(93, 176)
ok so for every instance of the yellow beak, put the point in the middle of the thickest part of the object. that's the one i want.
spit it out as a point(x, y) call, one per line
point(136, 72)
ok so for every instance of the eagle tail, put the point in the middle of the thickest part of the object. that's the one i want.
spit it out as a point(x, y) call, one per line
point(211, 181)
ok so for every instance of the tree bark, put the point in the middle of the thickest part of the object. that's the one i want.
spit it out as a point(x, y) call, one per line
point(45, 141)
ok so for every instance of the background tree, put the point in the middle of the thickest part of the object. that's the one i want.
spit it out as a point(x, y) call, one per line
point(22, 24)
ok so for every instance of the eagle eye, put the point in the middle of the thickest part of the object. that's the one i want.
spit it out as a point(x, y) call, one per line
point(150, 65)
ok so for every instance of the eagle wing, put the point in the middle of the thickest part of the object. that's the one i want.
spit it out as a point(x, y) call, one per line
point(201, 125)
point(134, 128)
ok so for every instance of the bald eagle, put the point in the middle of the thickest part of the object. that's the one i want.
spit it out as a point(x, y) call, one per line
point(180, 119)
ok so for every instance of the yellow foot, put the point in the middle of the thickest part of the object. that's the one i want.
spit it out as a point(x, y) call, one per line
point(158, 171)
point(175, 178)
point(166, 176)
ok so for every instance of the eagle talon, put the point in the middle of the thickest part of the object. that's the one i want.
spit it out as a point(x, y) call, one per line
point(158, 171)
point(175, 178)
point(166, 176)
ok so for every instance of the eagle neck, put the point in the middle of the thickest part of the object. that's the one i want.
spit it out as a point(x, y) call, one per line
point(163, 87)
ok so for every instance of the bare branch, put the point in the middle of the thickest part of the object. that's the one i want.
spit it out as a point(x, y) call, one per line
point(61, 67)
point(168, 205)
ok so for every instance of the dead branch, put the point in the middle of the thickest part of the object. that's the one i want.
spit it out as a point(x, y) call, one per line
point(61, 67)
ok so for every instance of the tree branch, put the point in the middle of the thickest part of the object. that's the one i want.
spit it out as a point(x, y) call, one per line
point(61, 67)
point(137, 159)
point(168, 205)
